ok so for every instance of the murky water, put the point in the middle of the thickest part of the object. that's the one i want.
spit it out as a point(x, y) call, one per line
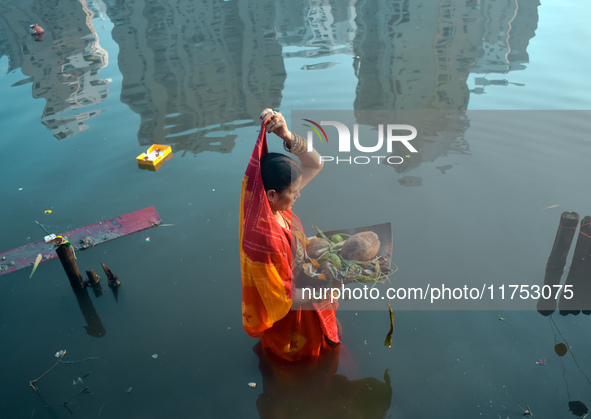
point(479, 203)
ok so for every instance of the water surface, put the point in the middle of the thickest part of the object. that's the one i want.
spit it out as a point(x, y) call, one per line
point(111, 78)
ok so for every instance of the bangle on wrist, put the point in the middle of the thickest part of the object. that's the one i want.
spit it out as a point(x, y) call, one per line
point(298, 145)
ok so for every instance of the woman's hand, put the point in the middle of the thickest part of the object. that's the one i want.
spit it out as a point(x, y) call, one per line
point(311, 162)
point(298, 299)
point(276, 124)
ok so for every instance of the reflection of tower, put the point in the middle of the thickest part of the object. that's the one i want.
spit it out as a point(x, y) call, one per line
point(378, 28)
point(191, 67)
point(64, 67)
point(411, 57)
point(439, 133)
point(326, 26)
point(329, 28)
point(510, 26)
point(454, 48)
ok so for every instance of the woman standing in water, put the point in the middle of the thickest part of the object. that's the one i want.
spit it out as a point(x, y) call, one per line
point(272, 243)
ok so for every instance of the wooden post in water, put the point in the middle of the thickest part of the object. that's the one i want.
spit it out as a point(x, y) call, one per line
point(585, 285)
point(66, 254)
point(112, 280)
point(578, 274)
point(556, 261)
point(94, 282)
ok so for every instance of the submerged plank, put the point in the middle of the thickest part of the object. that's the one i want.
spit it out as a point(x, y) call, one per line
point(81, 238)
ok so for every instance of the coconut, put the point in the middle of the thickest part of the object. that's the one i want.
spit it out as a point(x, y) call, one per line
point(317, 247)
point(361, 246)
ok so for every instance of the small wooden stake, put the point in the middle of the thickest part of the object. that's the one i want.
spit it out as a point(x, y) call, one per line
point(94, 283)
point(112, 280)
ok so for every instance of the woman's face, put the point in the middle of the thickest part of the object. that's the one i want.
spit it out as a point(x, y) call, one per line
point(284, 200)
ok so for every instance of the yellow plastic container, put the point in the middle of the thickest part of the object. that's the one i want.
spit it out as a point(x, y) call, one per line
point(156, 155)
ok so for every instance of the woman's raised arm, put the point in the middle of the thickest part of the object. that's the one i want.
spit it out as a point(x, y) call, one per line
point(295, 144)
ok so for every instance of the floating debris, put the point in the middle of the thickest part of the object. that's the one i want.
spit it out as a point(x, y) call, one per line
point(154, 157)
point(541, 361)
point(578, 408)
point(87, 242)
point(528, 411)
point(59, 355)
point(35, 29)
point(37, 261)
point(560, 349)
point(252, 384)
point(388, 340)
point(147, 239)
point(551, 206)
point(77, 380)
point(85, 390)
point(128, 390)
point(48, 211)
point(155, 356)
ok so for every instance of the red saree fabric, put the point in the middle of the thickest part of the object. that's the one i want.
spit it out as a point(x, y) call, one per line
point(268, 265)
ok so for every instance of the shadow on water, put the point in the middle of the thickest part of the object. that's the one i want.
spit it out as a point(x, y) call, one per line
point(313, 389)
point(576, 284)
point(574, 296)
point(94, 327)
point(577, 407)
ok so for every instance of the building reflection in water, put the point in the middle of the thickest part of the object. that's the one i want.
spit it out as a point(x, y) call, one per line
point(63, 69)
point(194, 71)
point(395, 71)
point(319, 29)
point(410, 56)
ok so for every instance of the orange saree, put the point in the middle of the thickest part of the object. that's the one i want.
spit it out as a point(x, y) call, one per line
point(267, 260)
